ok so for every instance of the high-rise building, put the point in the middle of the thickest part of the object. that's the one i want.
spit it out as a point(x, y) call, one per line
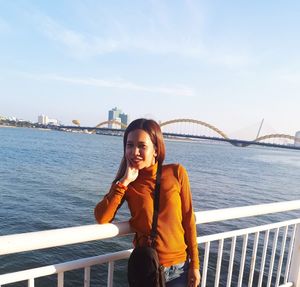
point(297, 139)
point(124, 118)
point(117, 115)
point(113, 114)
point(42, 119)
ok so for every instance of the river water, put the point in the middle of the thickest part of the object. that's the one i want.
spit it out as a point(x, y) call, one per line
point(52, 179)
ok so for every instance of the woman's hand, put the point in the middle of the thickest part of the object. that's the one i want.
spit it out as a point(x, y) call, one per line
point(130, 175)
point(193, 277)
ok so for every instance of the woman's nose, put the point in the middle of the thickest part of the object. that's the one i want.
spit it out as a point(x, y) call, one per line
point(136, 151)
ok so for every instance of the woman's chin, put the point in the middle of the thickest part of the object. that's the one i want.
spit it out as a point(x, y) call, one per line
point(138, 166)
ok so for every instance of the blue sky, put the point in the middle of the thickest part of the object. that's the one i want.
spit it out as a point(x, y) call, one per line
point(228, 63)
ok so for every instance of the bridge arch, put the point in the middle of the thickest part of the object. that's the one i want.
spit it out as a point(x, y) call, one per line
point(195, 122)
point(123, 126)
point(281, 136)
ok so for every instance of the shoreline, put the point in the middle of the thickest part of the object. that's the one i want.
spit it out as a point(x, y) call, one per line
point(16, 127)
point(2, 126)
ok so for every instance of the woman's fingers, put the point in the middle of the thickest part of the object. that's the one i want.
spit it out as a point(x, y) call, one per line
point(194, 278)
point(131, 172)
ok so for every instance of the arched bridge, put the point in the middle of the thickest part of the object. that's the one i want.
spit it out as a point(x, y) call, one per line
point(111, 122)
point(281, 136)
point(213, 128)
point(221, 135)
point(242, 143)
point(260, 140)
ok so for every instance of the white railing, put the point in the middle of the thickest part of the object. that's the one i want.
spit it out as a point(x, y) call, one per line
point(266, 249)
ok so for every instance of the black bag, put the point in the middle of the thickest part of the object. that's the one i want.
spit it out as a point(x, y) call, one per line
point(144, 269)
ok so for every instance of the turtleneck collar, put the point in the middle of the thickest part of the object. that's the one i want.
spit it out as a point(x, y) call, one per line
point(149, 171)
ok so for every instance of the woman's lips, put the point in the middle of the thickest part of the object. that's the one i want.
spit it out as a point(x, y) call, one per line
point(136, 160)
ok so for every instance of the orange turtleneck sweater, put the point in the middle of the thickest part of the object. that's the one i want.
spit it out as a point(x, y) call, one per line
point(176, 229)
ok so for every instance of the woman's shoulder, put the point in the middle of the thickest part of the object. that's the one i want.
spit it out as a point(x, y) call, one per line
point(171, 166)
point(177, 168)
point(175, 171)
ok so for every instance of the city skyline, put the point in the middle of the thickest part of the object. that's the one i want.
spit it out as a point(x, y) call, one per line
point(229, 64)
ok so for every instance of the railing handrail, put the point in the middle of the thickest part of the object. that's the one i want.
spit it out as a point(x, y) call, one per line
point(59, 237)
point(29, 241)
point(249, 230)
point(63, 267)
point(245, 211)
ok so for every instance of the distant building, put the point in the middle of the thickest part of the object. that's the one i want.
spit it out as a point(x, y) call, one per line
point(53, 122)
point(14, 119)
point(124, 118)
point(117, 115)
point(43, 120)
point(297, 138)
point(113, 114)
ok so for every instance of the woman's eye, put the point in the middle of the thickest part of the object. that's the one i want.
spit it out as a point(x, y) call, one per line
point(142, 146)
point(129, 145)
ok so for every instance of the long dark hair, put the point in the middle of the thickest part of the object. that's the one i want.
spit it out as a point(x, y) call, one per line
point(152, 128)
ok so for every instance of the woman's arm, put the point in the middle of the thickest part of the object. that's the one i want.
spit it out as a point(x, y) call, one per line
point(189, 226)
point(106, 209)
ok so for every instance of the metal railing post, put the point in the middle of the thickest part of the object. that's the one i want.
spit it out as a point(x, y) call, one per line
point(294, 274)
point(110, 277)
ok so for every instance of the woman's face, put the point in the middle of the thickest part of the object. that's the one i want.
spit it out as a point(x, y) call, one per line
point(139, 150)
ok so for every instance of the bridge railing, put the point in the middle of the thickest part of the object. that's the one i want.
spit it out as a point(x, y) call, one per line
point(266, 255)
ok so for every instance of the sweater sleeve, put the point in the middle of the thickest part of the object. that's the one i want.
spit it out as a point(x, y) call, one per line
point(106, 209)
point(188, 218)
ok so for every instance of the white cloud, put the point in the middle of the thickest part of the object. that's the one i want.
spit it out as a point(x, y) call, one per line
point(159, 35)
point(120, 39)
point(78, 44)
point(175, 90)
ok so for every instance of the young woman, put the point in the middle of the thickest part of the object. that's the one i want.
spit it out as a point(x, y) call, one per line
point(176, 245)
